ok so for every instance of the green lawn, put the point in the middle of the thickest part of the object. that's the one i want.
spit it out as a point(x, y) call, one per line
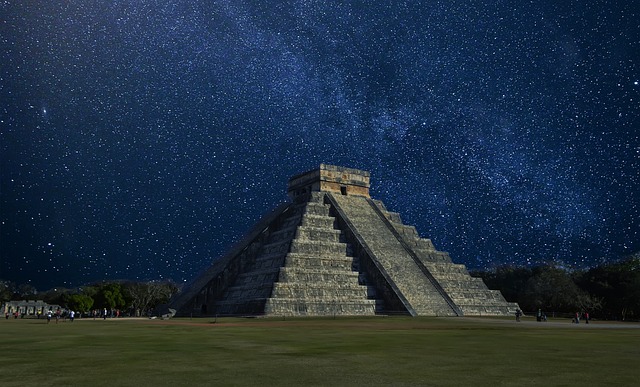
point(315, 351)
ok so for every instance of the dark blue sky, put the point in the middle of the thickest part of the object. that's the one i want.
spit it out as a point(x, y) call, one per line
point(140, 139)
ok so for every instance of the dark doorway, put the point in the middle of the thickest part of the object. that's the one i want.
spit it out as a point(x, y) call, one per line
point(343, 190)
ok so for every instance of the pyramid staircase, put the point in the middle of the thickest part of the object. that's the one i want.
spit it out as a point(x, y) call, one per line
point(469, 293)
point(421, 293)
point(304, 268)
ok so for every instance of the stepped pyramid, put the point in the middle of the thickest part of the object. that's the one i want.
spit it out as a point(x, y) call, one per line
point(335, 251)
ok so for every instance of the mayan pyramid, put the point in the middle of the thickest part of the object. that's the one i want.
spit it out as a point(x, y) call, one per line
point(335, 251)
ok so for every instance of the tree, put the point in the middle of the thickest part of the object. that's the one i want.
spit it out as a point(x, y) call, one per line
point(553, 288)
point(146, 296)
point(79, 302)
point(54, 296)
point(618, 285)
point(6, 290)
point(27, 291)
point(110, 296)
point(542, 287)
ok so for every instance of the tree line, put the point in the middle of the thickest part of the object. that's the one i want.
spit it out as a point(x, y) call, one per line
point(609, 291)
point(131, 298)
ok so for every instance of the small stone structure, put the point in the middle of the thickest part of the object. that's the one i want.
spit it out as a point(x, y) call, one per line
point(335, 251)
point(27, 307)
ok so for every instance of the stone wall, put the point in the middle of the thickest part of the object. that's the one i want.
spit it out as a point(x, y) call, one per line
point(330, 178)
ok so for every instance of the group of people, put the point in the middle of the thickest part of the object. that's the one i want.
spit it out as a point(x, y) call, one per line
point(59, 313)
point(576, 318)
point(16, 314)
point(97, 313)
point(541, 316)
point(104, 313)
point(72, 314)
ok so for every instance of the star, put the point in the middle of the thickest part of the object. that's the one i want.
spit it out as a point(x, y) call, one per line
point(143, 146)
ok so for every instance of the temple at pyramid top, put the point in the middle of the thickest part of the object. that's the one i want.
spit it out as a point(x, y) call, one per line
point(333, 250)
point(330, 178)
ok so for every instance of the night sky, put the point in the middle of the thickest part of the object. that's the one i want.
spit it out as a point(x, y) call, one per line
point(140, 139)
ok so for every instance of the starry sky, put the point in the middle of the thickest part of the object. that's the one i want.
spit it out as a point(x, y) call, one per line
point(141, 138)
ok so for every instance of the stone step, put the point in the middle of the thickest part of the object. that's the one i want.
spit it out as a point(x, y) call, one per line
point(393, 217)
point(320, 248)
point(425, 245)
point(288, 274)
point(283, 234)
point(476, 294)
point(316, 197)
point(380, 205)
point(427, 256)
point(268, 261)
point(323, 222)
point(321, 291)
point(248, 291)
point(278, 247)
point(295, 307)
point(473, 307)
point(488, 310)
point(409, 233)
point(447, 267)
point(318, 209)
point(451, 273)
point(477, 298)
point(319, 262)
point(454, 276)
point(433, 309)
point(319, 234)
point(453, 285)
point(259, 276)
point(332, 292)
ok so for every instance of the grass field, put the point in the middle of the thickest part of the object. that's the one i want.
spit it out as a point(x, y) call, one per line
point(375, 351)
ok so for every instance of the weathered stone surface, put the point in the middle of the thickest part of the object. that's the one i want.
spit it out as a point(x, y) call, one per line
point(335, 251)
point(407, 275)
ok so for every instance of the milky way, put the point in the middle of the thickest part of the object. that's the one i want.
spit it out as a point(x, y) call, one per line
point(141, 139)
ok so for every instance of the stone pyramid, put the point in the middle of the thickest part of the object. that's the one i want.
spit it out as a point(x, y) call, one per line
point(334, 251)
